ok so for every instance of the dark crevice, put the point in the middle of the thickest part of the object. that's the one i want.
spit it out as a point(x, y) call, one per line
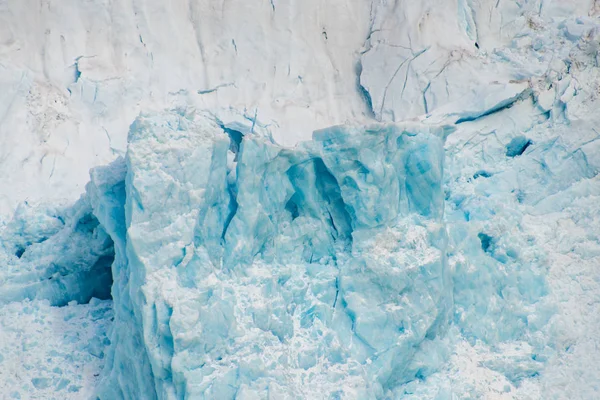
point(482, 174)
point(87, 223)
point(328, 187)
point(235, 140)
point(352, 316)
point(503, 105)
point(233, 207)
point(235, 143)
point(22, 248)
point(77, 73)
point(517, 146)
point(19, 252)
point(337, 291)
point(425, 105)
point(93, 283)
point(332, 222)
point(317, 195)
point(335, 214)
point(214, 89)
point(486, 240)
point(77, 276)
point(363, 92)
point(292, 207)
point(101, 271)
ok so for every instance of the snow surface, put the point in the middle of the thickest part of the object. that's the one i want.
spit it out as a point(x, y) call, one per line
point(442, 243)
point(52, 352)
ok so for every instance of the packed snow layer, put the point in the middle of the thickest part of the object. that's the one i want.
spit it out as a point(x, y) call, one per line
point(52, 352)
point(73, 77)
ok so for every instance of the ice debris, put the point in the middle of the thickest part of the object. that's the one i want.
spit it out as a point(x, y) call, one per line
point(246, 270)
point(55, 254)
point(60, 350)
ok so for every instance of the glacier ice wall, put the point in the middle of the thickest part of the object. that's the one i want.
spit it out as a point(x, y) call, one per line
point(271, 271)
point(74, 77)
point(244, 267)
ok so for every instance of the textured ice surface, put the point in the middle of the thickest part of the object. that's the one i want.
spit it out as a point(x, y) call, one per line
point(52, 352)
point(55, 254)
point(373, 262)
point(315, 271)
point(72, 79)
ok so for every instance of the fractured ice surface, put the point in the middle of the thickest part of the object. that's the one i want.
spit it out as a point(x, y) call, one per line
point(288, 272)
point(60, 350)
point(55, 254)
point(347, 267)
point(304, 272)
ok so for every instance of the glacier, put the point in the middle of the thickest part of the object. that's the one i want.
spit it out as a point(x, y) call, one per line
point(244, 269)
point(318, 200)
point(272, 271)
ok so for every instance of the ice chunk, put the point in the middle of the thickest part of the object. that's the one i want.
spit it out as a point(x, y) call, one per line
point(318, 270)
point(54, 254)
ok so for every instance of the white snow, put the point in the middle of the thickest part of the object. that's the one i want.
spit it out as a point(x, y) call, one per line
point(52, 352)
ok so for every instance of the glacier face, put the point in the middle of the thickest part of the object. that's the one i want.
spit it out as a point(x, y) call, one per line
point(448, 251)
point(270, 272)
point(75, 77)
